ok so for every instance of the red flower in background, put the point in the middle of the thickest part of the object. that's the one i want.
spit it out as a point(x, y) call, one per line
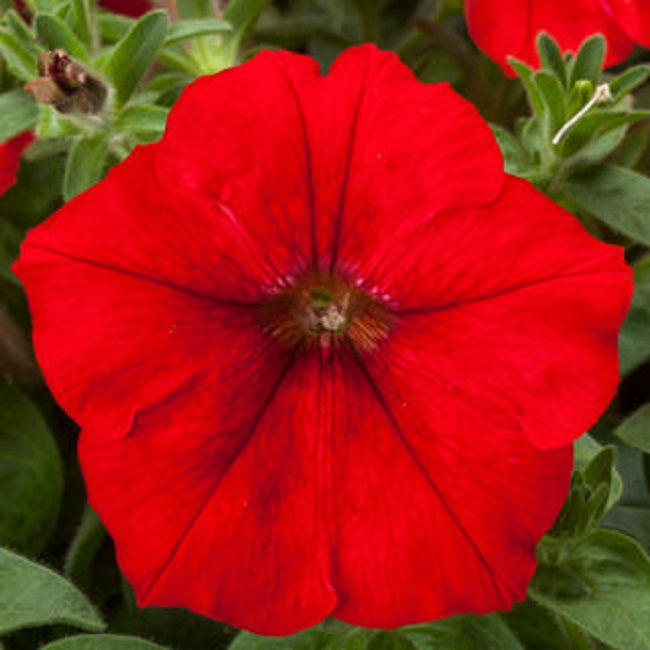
point(328, 359)
point(132, 8)
point(10, 153)
point(503, 28)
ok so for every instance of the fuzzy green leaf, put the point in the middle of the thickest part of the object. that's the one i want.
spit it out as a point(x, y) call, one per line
point(551, 57)
point(142, 119)
point(189, 29)
point(525, 73)
point(589, 61)
point(134, 52)
point(19, 112)
point(31, 474)
point(635, 430)
point(102, 642)
point(84, 165)
point(617, 196)
point(32, 595)
point(464, 632)
point(627, 81)
point(54, 34)
point(20, 60)
point(606, 572)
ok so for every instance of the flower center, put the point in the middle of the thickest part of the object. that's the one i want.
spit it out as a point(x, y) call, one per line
point(322, 308)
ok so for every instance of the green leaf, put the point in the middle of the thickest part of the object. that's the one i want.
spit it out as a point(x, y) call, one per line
point(20, 60)
point(603, 586)
point(32, 595)
point(102, 642)
point(310, 639)
point(188, 29)
point(81, 20)
point(19, 112)
point(85, 165)
point(389, 640)
point(589, 61)
point(242, 14)
point(551, 57)
point(538, 628)
point(635, 429)
point(628, 80)
point(515, 158)
point(142, 118)
point(54, 33)
point(464, 632)
point(134, 52)
point(634, 342)
point(553, 96)
point(83, 548)
point(617, 196)
point(36, 195)
point(31, 475)
point(189, 9)
point(22, 32)
point(113, 27)
point(526, 73)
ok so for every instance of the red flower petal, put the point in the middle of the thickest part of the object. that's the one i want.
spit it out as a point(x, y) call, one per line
point(293, 145)
point(511, 292)
point(503, 28)
point(633, 16)
point(10, 152)
point(127, 285)
point(442, 519)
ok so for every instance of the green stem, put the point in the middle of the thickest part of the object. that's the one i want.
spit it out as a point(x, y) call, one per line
point(83, 549)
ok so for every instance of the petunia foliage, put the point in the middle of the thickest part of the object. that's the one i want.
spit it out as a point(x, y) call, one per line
point(312, 346)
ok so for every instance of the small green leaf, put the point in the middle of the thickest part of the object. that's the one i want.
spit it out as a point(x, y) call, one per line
point(54, 34)
point(31, 475)
point(515, 158)
point(617, 196)
point(552, 94)
point(526, 73)
point(464, 632)
point(627, 81)
point(189, 9)
point(134, 52)
point(32, 595)
point(102, 642)
point(310, 639)
point(635, 430)
point(83, 548)
point(551, 57)
point(606, 572)
point(19, 112)
point(188, 29)
point(21, 31)
point(20, 60)
point(85, 165)
point(81, 20)
point(589, 61)
point(142, 118)
point(242, 14)
point(113, 27)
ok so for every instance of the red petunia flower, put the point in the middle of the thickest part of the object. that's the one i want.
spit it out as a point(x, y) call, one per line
point(503, 28)
point(10, 153)
point(328, 359)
